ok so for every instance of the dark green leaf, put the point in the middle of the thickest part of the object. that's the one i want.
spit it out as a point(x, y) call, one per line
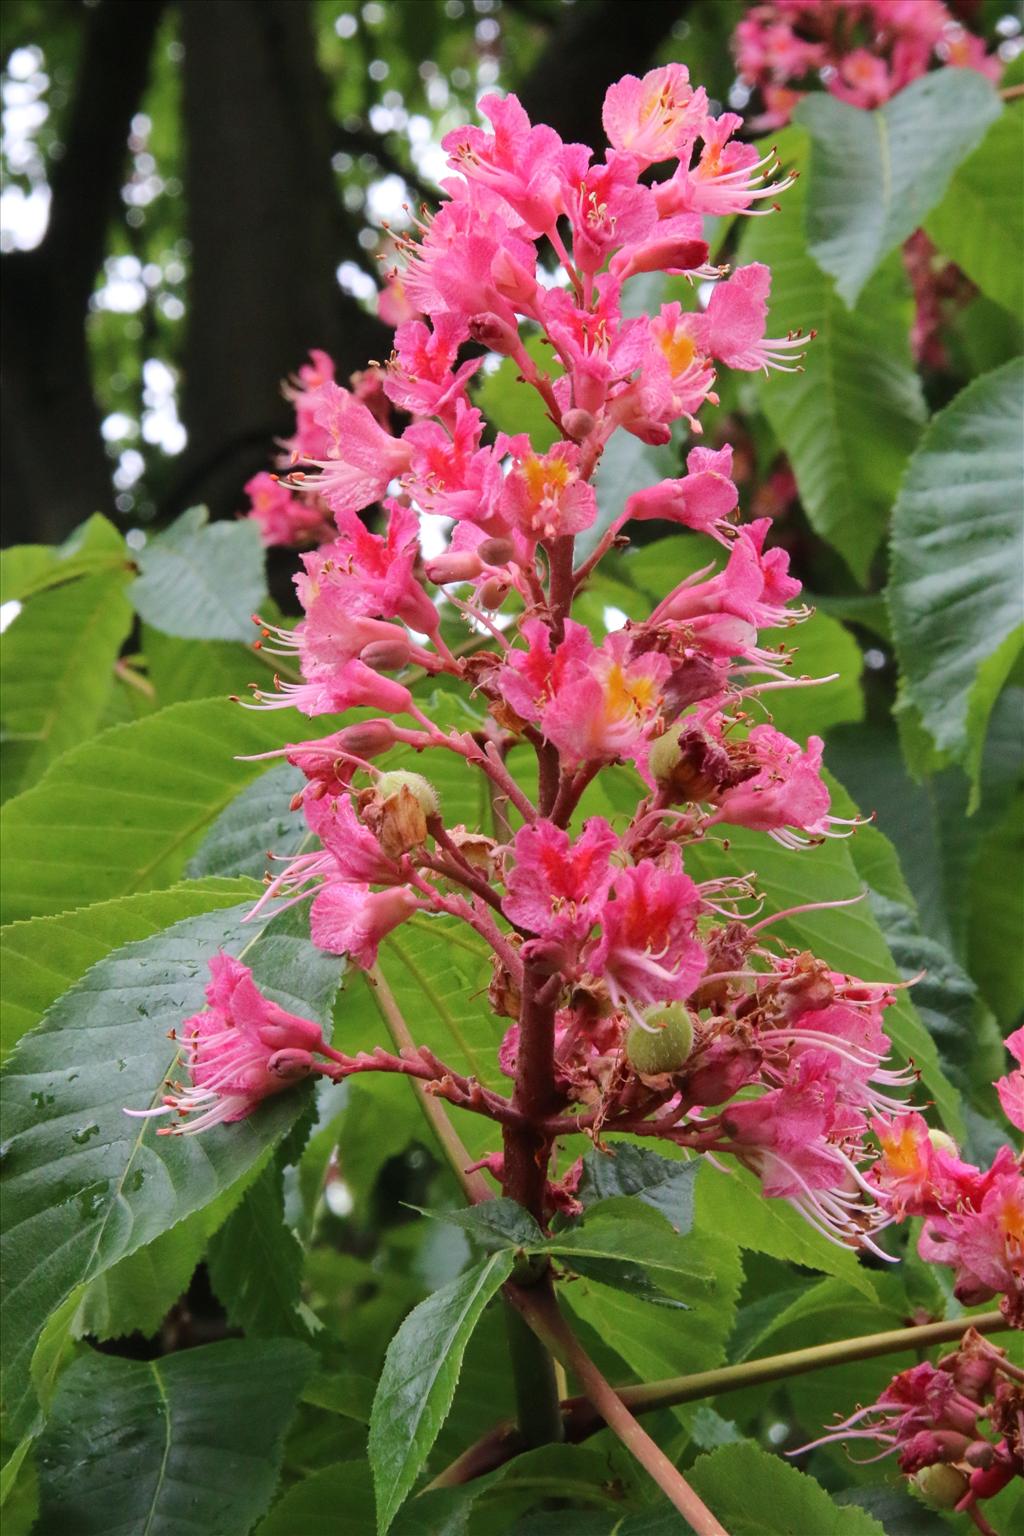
point(626, 1169)
point(621, 1275)
point(954, 593)
point(875, 176)
point(189, 1442)
point(338, 1498)
point(201, 580)
point(495, 1224)
point(255, 1263)
point(41, 958)
point(255, 825)
point(756, 1494)
point(418, 1382)
point(858, 385)
point(84, 1184)
point(625, 1229)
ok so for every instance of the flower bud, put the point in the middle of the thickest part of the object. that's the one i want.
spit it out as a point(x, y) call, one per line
point(577, 424)
point(940, 1486)
point(457, 565)
point(662, 1043)
point(671, 255)
point(386, 655)
point(942, 1142)
point(396, 780)
point(492, 331)
point(493, 593)
point(546, 956)
point(496, 551)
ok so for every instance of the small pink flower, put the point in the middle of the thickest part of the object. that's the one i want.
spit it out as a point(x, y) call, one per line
point(420, 377)
point(347, 918)
point(361, 459)
point(1011, 1087)
point(656, 118)
point(702, 499)
point(647, 950)
point(786, 791)
point(557, 885)
point(243, 1049)
point(733, 325)
point(543, 495)
point(284, 518)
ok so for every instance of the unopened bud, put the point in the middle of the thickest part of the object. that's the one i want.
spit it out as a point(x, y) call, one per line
point(457, 565)
point(689, 764)
point(493, 593)
point(423, 792)
point(545, 956)
point(577, 424)
point(495, 551)
point(386, 655)
point(490, 330)
point(943, 1143)
point(662, 1042)
point(672, 255)
point(940, 1486)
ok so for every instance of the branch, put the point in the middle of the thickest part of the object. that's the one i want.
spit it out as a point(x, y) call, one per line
point(539, 1307)
point(501, 1444)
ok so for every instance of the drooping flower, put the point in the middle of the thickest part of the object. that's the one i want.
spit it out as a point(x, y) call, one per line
point(242, 1049)
point(360, 460)
point(347, 918)
point(702, 499)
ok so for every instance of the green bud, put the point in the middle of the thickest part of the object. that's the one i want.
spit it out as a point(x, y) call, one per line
point(940, 1485)
point(664, 755)
point(421, 789)
point(665, 1044)
point(943, 1143)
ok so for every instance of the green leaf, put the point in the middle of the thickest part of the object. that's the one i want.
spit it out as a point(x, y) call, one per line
point(57, 671)
point(980, 222)
point(496, 1225)
point(84, 1184)
point(626, 1169)
point(954, 593)
point(193, 1440)
point(875, 176)
point(42, 957)
point(95, 546)
point(257, 823)
point(996, 917)
point(201, 580)
point(756, 1494)
point(858, 386)
point(255, 1263)
point(122, 813)
point(624, 1228)
point(183, 670)
point(419, 1378)
point(315, 1504)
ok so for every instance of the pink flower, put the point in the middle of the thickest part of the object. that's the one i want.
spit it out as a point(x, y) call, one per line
point(701, 500)
point(347, 918)
point(787, 790)
point(608, 208)
point(361, 458)
point(284, 518)
point(522, 164)
point(647, 951)
point(733, 325)
point(1011, 1087)
point(531, 678)
point(376, 574)
point(557, 885)
point(243, 1049)
point(452, 476)
point(543, 495)
point(983, 1242)
point(419, 377)
point(656, 118)
point(754, 587)
point(600, 709)
point(310, 441)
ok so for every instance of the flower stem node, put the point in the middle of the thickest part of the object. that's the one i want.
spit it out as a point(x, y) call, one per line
point(662, 1042)
point(940, 1486)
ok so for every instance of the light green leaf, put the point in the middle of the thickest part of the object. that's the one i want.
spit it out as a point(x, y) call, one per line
point(123, 812)
point(858, 386)
point(980, 222)
point(201, 580)
point(93, 547)
point(996, 917)
point(954, 588)
point(875, 176)
point(57, 671)
point(623, 1228)
point(84, 1184)
point(624, 1169)
point(193, 1440)
point(42, 957)
point(419, 1378)
point(757, 1494)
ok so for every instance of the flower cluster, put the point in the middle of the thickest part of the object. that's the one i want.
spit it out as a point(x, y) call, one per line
point(631, 996)
point(957, 1427)
point(862, 51)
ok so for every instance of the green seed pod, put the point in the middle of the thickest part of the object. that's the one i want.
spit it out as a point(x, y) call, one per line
point(940, 1485)
point(664, 755)
point(393, 782)
point(665, 1044)
point(943, 1143)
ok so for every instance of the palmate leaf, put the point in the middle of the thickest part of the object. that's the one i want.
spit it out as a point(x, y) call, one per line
point(95, 546)
point(123, 812)
point(418, 1382)
point(851, 419)
point(623, 1169)
point(85, 1185)
point(192, 1441)
point(42, 957)
point(979, 223)
point(954, 589)
point(876, 175)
